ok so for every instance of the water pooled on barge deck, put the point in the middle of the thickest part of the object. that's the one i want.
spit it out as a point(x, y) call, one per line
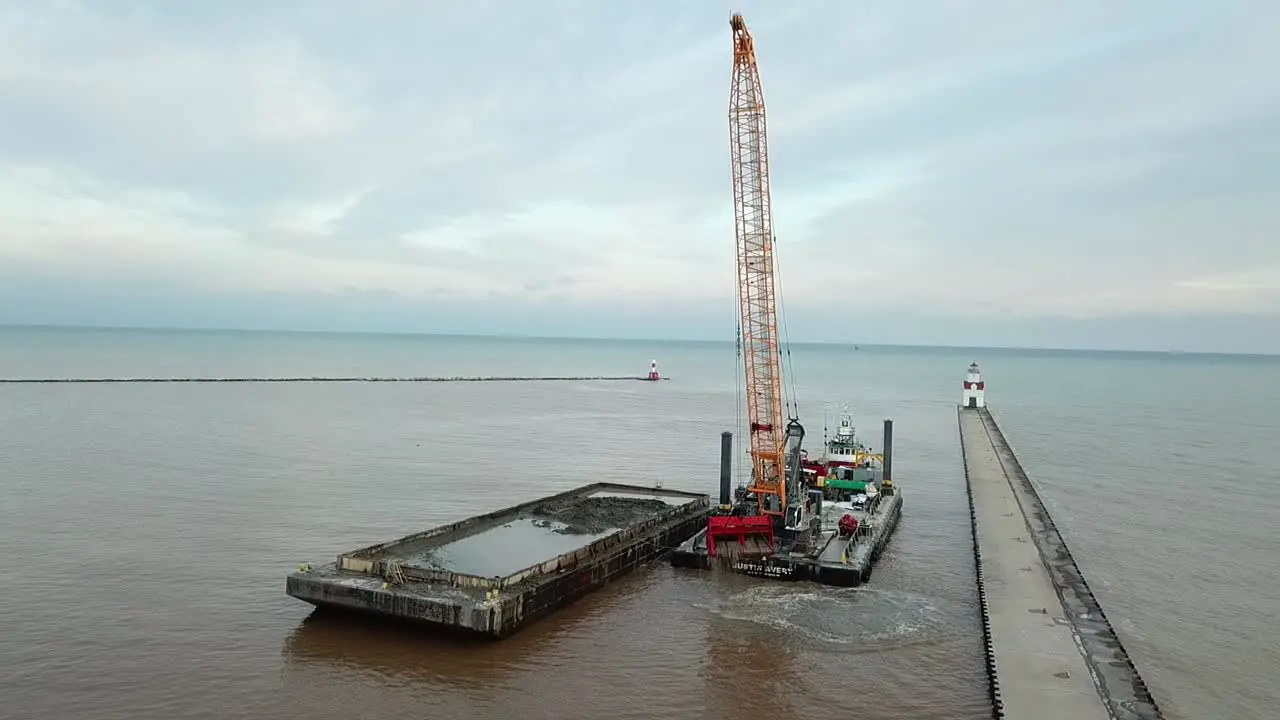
point(548, 530)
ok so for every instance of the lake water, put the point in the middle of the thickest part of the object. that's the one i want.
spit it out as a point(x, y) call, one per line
point(145, 530)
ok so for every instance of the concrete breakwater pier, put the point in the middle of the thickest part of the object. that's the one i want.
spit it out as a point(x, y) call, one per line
point(652, 376)
point(1051, 652)
point(336, 379)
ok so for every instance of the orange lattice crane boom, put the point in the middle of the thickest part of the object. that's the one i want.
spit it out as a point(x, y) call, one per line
point(753, 215)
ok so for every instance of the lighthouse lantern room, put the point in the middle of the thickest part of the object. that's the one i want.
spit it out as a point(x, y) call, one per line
point(975, 391)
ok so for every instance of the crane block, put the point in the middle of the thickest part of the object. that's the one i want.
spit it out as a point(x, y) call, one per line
point(740, 536)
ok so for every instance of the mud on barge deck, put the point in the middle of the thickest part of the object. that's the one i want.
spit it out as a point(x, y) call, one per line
point(494, 573)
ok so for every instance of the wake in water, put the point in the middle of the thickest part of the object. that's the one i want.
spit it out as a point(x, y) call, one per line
point(843, 618)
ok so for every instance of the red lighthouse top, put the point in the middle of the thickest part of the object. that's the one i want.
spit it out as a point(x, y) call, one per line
point(974, 380)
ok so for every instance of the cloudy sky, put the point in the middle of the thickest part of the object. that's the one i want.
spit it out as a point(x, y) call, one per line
point(1092, 173)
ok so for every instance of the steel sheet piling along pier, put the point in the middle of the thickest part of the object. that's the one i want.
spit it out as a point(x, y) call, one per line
point(494, 573)
point(1051, 652)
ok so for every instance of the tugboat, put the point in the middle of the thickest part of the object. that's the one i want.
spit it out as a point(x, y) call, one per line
point(843, 450)
point(848, 471)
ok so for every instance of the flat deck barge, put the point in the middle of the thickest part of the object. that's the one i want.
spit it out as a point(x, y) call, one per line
point(492, 574)
point(828, 554)
point(1051, 653)
point(833, 560)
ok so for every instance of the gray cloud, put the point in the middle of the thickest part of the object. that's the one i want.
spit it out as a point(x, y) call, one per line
point(1098, 160)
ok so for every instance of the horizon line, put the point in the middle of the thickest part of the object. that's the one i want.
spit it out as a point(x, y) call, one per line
point(598, 338)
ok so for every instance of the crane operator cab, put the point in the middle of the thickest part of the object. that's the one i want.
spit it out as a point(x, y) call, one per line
point(802, 513)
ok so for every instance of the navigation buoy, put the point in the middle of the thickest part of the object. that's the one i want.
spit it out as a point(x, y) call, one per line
point(653, 371)
point(975, 391)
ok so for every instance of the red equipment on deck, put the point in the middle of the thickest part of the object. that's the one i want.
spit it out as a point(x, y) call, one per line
point(848, 525)
point(754, 533)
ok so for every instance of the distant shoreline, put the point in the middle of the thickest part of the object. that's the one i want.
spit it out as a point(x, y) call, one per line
point(860, 346)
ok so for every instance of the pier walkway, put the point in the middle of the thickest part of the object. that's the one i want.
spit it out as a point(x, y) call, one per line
point(1051, 652)
point(1040, 670)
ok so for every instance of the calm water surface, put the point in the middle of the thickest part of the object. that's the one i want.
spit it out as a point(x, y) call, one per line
point(146, 529)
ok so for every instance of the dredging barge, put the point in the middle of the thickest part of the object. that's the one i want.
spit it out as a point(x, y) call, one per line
point(492, 574)
point(850, 519)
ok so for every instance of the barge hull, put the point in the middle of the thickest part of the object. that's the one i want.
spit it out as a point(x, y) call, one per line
point(405, 579)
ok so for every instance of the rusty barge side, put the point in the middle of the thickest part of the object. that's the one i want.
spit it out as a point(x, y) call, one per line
point(493, 574)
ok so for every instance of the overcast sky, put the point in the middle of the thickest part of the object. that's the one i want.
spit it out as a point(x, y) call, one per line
point(1092, 173)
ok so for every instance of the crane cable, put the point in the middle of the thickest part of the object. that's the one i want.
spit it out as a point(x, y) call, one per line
point(792, 400)
point(739, 396)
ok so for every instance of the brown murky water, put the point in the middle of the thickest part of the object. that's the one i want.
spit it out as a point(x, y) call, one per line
point(145, 532)
point(149, 529)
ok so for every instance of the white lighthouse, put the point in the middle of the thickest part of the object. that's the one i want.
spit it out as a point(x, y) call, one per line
point(975, 391)
point(653, 371)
